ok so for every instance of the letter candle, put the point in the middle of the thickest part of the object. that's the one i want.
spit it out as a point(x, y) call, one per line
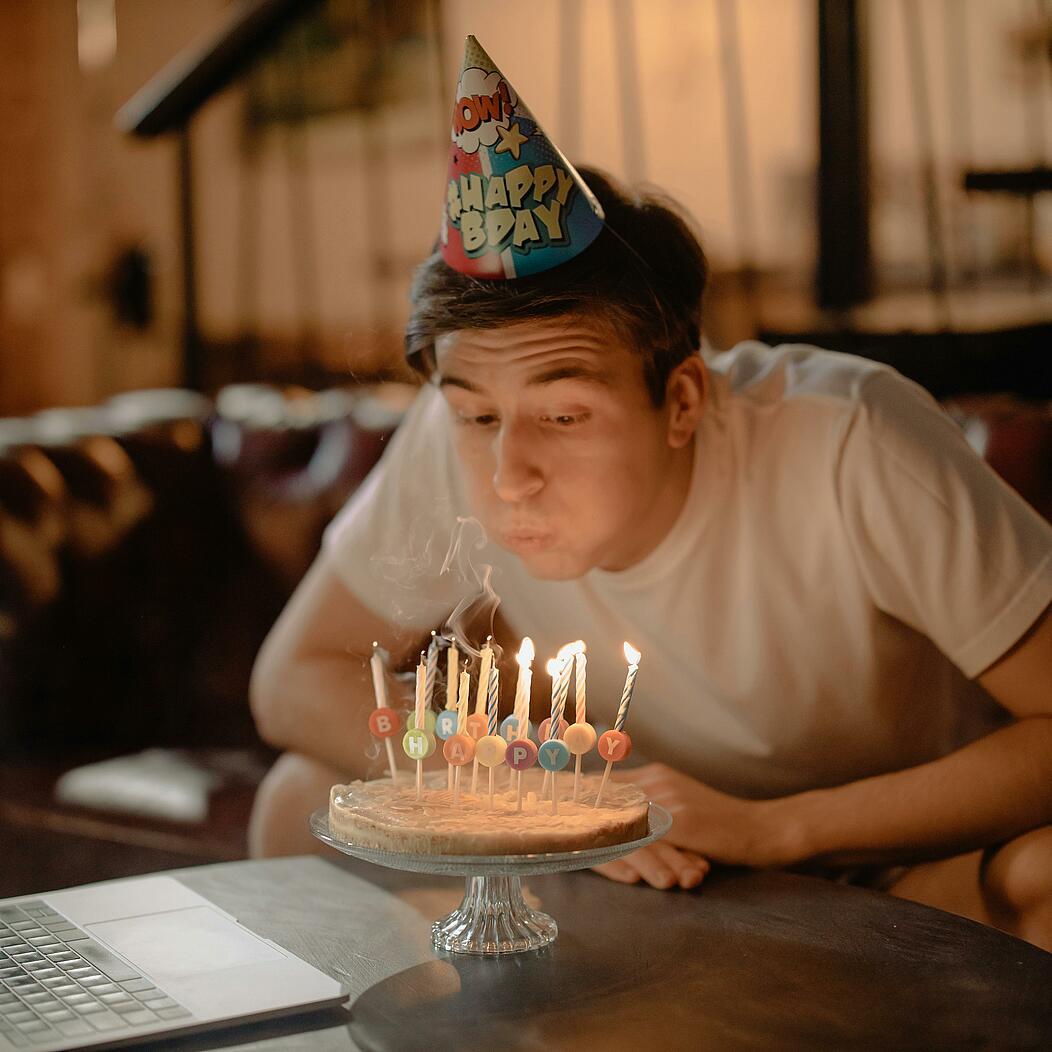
point(486, 657)
point(560, 690)
point(421, 694)
point(452, 670)
point(617, 740)
point(462, 738)
point(553, 754)
point(521, 711)
point(582, 738)
point(388, 719)
point(495, 745)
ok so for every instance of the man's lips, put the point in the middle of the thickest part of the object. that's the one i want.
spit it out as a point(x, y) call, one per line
point(526, 540)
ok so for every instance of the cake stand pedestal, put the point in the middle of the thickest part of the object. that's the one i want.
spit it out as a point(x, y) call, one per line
point(494, 918)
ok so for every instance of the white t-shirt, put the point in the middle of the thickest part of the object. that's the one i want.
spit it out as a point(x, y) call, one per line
point(844, 564)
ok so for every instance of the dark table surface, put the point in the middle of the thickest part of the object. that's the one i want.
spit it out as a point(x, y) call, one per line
point(748, 961)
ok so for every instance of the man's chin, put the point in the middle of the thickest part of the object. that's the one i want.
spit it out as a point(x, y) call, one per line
point(552, 565)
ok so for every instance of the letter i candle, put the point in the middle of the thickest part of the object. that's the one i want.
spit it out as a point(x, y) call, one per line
point(615, 745)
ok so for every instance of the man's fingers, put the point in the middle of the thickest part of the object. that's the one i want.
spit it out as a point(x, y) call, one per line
point(652, 867)
point(620, 871)
point(689, 868)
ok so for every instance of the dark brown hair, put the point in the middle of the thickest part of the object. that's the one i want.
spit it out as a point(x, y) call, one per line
point(644, 275)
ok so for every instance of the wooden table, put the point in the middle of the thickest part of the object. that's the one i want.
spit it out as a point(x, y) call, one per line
point(749, 961)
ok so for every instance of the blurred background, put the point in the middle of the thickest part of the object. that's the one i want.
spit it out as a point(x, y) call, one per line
point(209, 216)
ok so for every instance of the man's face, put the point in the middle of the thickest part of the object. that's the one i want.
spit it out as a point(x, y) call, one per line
point(565, 456)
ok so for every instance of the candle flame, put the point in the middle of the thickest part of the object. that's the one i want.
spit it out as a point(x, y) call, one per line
point(526, 653)
point(553, 667)
point(572, 649)
point(632, 655)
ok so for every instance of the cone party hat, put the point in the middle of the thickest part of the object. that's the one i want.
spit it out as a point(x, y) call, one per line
point(514, 205)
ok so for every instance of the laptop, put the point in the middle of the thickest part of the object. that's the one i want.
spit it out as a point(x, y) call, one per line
point(135, 960)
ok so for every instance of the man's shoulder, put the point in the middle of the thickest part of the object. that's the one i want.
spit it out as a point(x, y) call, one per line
point(790, 374)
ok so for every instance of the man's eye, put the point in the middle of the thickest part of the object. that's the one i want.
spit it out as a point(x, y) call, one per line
point(482, 420)
point(566, 419)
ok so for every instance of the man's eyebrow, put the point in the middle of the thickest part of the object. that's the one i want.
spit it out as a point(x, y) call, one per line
point(570, 371)
point(445, 380)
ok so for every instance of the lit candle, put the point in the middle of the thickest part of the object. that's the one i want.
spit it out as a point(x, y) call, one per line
point(521, 711)
point(560, 690)
point(614, 737)
point(632, 656)
point(452, 669)
point(376, 663)
point(522, 687)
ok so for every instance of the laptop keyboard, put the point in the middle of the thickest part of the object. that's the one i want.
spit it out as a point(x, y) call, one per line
point(56, 982)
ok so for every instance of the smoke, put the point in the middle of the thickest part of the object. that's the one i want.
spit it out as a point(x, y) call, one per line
point(481, 604)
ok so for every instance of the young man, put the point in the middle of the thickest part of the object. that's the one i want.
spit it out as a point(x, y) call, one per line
point(847, 654)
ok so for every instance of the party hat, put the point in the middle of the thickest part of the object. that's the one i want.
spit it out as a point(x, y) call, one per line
point(514, 204)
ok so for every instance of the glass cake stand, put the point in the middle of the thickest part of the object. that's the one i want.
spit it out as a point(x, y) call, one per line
point(494, 917)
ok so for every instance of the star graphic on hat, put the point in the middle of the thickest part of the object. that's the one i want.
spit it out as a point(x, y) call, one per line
point(511, 139)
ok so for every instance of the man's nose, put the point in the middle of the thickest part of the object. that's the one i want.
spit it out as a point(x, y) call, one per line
point(517, 474)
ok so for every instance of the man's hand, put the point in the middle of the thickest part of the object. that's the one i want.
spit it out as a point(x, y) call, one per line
point(660, 864)
point(706, 825)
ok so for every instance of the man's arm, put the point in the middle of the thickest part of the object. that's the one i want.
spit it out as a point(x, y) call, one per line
point(311, 685)
point(988, 791)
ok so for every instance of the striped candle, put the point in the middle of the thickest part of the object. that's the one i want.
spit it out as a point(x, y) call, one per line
point(430, 673)
point(452, 668)
point(632, 655)
point(421, 693)
point(580, 704)
point(560, 688)
point(463, 701)
point(493, 700)
point(486, 664)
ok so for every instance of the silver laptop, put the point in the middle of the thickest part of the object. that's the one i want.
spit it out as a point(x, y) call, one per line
point(138, 959)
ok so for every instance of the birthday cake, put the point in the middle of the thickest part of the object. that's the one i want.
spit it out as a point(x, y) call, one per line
point(387, 815)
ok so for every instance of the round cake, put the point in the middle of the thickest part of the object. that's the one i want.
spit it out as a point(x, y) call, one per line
point(386, 814)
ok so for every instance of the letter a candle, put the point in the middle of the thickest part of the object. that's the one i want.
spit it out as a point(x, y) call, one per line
point(615, 745)
point(460, 748)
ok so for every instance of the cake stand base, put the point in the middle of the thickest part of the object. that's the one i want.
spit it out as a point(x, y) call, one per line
point(493, 919)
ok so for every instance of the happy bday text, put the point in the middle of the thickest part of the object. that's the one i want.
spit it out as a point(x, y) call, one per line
point(512, 207)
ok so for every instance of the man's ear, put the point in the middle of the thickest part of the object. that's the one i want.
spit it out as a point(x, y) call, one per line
point(685, 395)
